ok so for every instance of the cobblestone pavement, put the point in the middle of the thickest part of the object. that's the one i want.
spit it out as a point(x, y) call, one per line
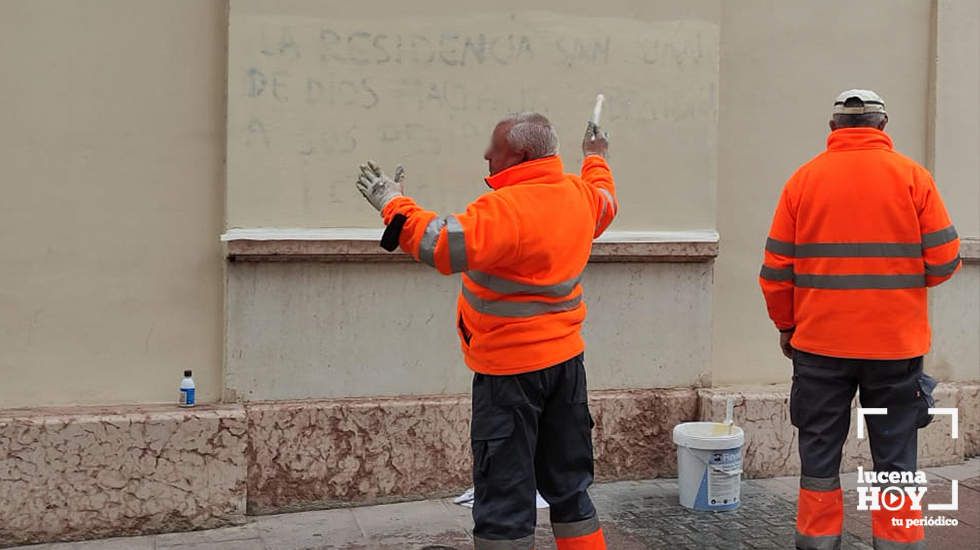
point(636, 515)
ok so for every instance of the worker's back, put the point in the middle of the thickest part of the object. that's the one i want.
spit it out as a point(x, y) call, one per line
point(556, 220)
point(524, 311)
point(856, 234)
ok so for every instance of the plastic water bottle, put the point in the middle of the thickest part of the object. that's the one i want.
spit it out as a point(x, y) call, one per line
point(187, 390)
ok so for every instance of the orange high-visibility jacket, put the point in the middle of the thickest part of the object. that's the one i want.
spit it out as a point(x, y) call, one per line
point(521, 248)
point(859, 233)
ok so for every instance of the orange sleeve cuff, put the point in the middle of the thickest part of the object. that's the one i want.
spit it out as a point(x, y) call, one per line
point(594, 161)
point(395, 206)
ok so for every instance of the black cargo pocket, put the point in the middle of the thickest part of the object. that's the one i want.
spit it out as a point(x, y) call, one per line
point(590, 435)
point(489, 433)
point(794, 403)
point(924, 399)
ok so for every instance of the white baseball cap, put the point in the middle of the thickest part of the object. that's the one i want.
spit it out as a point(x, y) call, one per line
point(858, 102)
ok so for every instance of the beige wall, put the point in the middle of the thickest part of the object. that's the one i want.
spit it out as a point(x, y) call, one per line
point(782, 64)
point(314, 330)
point(957, 111)
point(955, 306)
point(314, 91)
point(955, 317)
point(111, 146)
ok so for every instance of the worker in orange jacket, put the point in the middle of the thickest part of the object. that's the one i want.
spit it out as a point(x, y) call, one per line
point(859, 233)
point(521, 249)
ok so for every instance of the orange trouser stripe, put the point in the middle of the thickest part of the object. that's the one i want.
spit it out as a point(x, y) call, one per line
point(592, 541)
point(820, 513)
point(882, 527)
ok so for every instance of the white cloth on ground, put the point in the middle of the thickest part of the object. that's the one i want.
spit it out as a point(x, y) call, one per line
point(466, 499)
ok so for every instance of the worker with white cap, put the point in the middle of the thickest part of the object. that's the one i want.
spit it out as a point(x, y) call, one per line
point(859, 102)
point(859, 234)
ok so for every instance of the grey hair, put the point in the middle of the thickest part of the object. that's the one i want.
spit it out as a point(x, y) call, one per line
point(872, 120)
point(533, 134)
point(865, 120)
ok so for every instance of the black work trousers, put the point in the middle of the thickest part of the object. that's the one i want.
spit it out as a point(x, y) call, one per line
point(820, 406)
point(531, 431)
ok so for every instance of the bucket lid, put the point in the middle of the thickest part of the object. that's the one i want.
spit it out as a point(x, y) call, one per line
point(708, 435)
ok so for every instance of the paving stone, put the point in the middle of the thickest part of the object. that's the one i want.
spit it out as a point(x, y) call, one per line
point(121, 543)
point(763, 543)
point(642, 515)
point(248, 544)
point(307, 530)
point(239, 532)
point(411, 521)
point(962, 472)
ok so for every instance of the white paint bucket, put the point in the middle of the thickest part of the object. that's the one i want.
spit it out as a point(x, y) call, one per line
point(709, 465)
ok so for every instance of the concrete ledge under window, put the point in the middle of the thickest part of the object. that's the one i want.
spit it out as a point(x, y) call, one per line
point(361, 245)
point(970, 249)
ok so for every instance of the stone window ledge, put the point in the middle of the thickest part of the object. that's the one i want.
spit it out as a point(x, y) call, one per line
point(970, 249)
point(361, 245)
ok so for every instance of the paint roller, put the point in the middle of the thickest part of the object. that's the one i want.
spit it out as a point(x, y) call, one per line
point(597, 110)
point(726, 427)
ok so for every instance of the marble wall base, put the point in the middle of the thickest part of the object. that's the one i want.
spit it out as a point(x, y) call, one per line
point(70, 474)
point(969, 406)
point(316, 454)
point(771, 440)
point(319, 454)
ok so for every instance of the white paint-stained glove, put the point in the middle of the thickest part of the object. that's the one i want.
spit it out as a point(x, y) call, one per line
point(378, 188)
point(596, 141)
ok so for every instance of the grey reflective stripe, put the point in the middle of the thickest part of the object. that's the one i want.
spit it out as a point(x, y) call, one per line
point(575, 528)
point(609, 200)
point(609, 197)
point(457, 244)
point(506, 286)
point(504, 308)
point(859, 250)
point(827, 542)
point(885, 544)
point(427, 247)
point(942, 270)
point(780, 247)
point(860, 282)
point(937, 238)
point(526, 543)
point(845, 250)
point(773, 274)
point(822, 484)
point(607, 205)
point(602, 216)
